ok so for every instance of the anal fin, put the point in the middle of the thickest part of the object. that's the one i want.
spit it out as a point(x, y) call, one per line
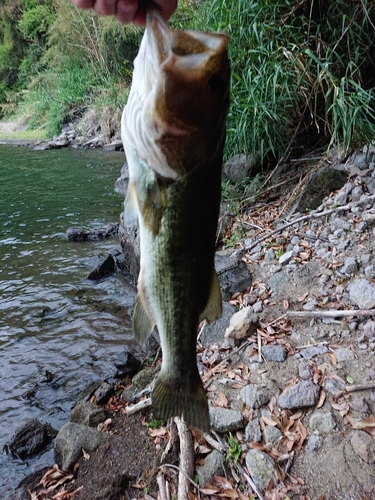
point(142, 323)
point(130, 206)
point(214, 306)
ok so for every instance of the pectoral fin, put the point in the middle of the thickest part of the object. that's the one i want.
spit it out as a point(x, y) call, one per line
point(130, 206)
point(142, 323)
point(214, 307)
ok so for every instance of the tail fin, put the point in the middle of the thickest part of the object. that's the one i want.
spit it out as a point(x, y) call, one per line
point(186, 401)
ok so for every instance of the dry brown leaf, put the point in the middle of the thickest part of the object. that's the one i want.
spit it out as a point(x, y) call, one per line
point(209, 490)
point(221, 401)
point(222, 483)
point(203, 450)
point(66, 495)
point(302, 297)
point(268, 421)
point(332, 358)
point(322, 398)
point(161, 431)
point(52, 475)
point(304, 255)
point(367, 424)
point(228, 493)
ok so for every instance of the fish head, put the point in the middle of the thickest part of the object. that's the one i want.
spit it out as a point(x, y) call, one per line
point(180, 98)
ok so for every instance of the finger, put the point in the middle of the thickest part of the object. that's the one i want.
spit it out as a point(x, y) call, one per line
point(126, 10)
point(167, 7)
point(83, 4)
point(106, 7)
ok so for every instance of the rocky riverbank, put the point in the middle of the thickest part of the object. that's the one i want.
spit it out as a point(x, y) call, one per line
point(289, 369)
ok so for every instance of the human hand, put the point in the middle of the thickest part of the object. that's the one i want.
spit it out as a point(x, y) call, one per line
point(128, 11)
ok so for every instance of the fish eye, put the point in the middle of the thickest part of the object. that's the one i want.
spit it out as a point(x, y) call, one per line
point(216, 85)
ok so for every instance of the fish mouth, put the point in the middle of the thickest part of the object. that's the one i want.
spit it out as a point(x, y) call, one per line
point(177, 107)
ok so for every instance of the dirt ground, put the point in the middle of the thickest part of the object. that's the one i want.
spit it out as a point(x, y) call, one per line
point(342, 467)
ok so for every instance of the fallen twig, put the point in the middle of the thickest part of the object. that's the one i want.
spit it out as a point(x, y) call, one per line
point(186, 459)
point(333, 313)
point(130, 410)
point(179, 470)
point(312, 215)
point(163, 487)
point(172, 439)
point(360, 387)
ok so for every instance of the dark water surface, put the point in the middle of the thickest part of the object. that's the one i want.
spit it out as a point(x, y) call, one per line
point(51, 318)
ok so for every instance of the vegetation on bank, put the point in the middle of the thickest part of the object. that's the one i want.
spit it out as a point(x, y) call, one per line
point(303, 72)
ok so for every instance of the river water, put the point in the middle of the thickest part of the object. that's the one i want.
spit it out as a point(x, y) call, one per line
point(52, 319)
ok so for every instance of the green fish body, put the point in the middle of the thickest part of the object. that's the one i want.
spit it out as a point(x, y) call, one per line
point(173, 129)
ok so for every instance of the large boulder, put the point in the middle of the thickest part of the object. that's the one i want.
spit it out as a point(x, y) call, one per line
point(71, 440)
point(29, 439)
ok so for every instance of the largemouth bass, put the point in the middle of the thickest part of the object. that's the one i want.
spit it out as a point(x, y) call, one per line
point(173, 130)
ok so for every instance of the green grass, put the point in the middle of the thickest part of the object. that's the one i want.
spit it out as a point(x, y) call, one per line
point(23, 135)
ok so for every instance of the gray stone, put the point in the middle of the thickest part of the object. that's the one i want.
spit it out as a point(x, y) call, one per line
point(356, 193)
point(213, 333)
point(212, 466)
point(224, 420)
point(258, 307)
point(277, 281)
point(261, 468)
point(254, 396)
point(304, 370)
point(271, 435)
point(126, 364)
point(285, 258)
point(89, 414)
point(253, 431)
point(322, 421)
point(360, 160)
point(320, 185)
point(301, 395)
point(269, 256)
point(341, 198)
point(81, 234)
point(105, 268)
point(344, 354)
point(242, 324)
point(369, 329)
point(350, 266)
point(363, 446)
point(234, 275)
point(43, 146)
point(312, 351)
point(241, 166)
point(370, 271)
point(274, 353)
point(314, 443)
point(30, 438)
point(371, 187)
point(145, 377)
point(103, 393)
point(129, 240)
point(362, 226)
point(333, 385)
point(70, 441)
point(362, 293)
point(310, 305)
